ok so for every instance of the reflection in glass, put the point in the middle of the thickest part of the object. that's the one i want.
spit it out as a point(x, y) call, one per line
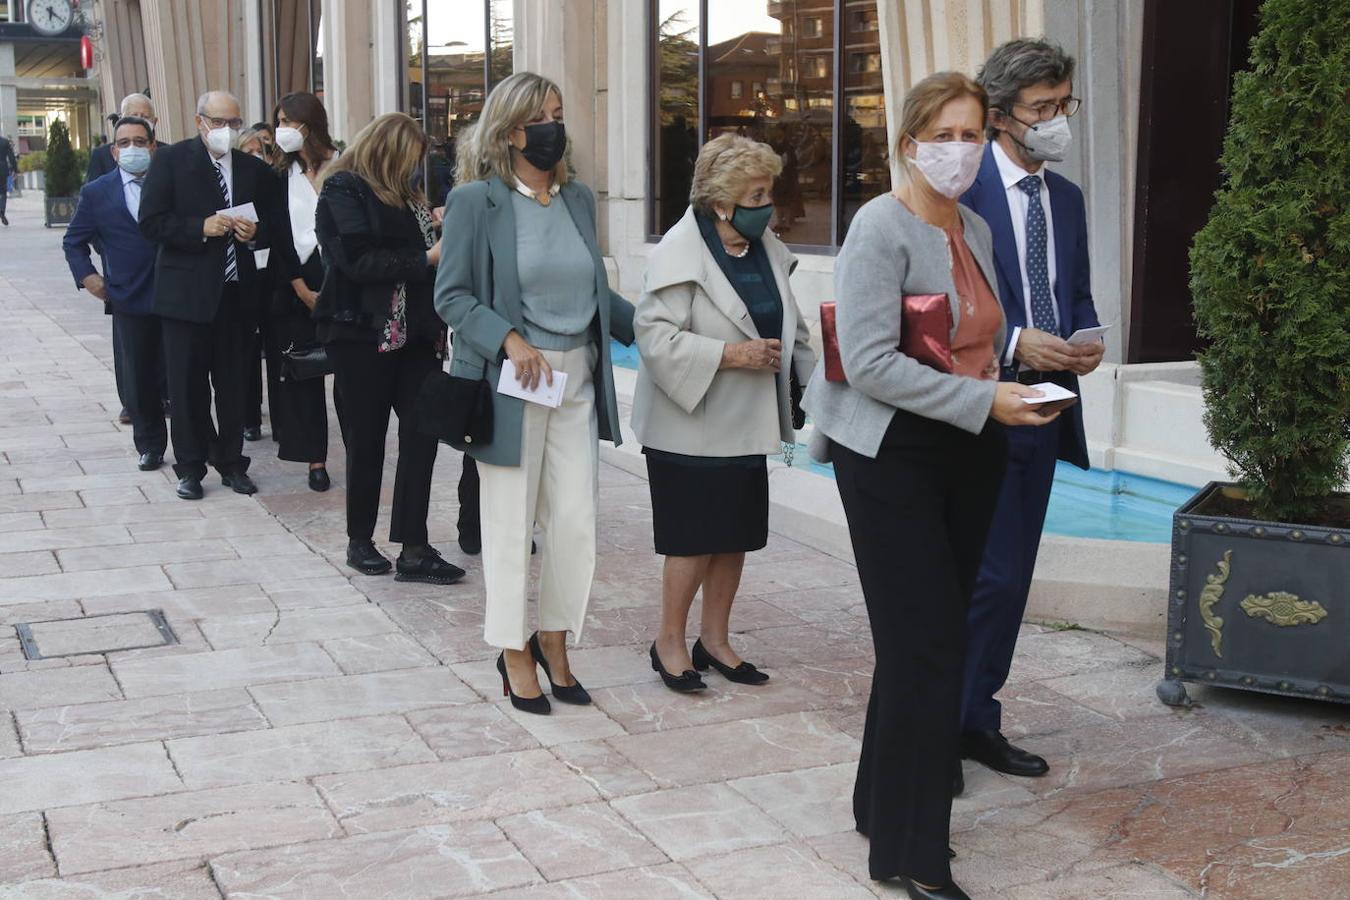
point(866, 161)
point(503, 39)
point(676, 74)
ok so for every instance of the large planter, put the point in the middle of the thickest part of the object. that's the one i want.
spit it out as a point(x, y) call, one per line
point(60, 210)
point(1260, 606)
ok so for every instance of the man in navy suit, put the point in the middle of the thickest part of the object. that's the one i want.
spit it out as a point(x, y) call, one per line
point(1039, 224)
point(107, 217)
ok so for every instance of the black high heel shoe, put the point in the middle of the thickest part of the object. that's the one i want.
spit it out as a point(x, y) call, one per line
point(537, 705)
point(916, 891)
point(686, 682)
point(742, 674)
point(573, 693)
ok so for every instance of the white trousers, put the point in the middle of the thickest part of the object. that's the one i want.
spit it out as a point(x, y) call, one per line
point(555, 486)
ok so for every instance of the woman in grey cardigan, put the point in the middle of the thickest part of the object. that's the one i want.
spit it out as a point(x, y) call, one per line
point(720, 336)
point(918, 457)
point(521, 279)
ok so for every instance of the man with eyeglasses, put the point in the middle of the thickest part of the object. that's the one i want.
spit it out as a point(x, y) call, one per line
point(106, 218)
point(205, 290)
point(101, 161)
point(1039, 226)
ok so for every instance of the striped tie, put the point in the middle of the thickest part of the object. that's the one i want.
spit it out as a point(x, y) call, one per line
point(231, 264)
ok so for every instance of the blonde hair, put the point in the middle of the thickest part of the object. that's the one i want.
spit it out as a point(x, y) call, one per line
point(484, 148)
point(725, 165)
point(925, 101)
point(253, 134)
point(385, 154)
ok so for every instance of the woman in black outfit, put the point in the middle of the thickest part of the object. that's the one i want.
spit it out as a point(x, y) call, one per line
point(375, 317)
point(299, 407)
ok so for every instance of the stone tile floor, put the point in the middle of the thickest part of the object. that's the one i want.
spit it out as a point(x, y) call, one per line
point(320, 735)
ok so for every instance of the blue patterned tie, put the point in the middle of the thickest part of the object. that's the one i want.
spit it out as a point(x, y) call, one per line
point(231, 264)
point(1038, 271)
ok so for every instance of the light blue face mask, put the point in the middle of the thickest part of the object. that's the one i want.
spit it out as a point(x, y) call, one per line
point(134, 160)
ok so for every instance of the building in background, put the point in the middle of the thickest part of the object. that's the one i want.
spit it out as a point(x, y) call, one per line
point(42, 75)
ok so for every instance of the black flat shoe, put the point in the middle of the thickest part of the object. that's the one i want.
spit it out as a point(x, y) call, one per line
point(364, 558)
point(993, 750)
point(686, 682)
point(240, 483)
point(572, 693)
point(253, 433)
point(124, 417)
point(429, 568)
point(471, 543)
point(537, 705)
point(190, 488)
point(150, 461)
point(319, 480)
point(916, 891)
point(742, 674)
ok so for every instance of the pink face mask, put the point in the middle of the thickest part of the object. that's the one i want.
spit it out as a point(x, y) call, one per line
point(949, 166)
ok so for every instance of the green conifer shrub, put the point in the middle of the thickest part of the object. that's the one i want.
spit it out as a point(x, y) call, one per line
point(1270, 272)
point(63, 176)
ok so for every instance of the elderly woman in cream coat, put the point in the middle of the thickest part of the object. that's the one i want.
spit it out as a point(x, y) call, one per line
point(720, 335)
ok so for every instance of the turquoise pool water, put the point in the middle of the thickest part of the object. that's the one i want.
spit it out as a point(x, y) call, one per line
point(1114, 506)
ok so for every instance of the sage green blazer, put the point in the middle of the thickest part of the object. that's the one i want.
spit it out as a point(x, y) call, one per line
point(478, 296)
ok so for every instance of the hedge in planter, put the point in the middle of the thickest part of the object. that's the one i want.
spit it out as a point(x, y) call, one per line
point(1260, 586)
point(63, 176)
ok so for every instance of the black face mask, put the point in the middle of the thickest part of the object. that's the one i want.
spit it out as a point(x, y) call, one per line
point(545, 144)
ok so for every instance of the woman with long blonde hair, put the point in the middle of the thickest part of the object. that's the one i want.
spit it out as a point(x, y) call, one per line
point(375, 317)
point(523, 284)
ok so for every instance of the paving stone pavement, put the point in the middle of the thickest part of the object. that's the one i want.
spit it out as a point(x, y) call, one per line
point(319, 734)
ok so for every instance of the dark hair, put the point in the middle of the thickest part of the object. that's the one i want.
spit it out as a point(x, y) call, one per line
point(1020, 64)
point(136, 121)
point(263, 126)
point(303, 108)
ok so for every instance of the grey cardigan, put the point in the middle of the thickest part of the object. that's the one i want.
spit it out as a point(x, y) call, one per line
point(889, 252)
point(478, 296)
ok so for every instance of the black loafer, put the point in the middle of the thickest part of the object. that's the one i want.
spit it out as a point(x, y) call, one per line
point(190, 488)
point(240, 483)
point(319, 480)
point(916, 891)
point(364, 558)
point(993, 750)
point(745, 673)
point(470, 542)
point(253, 433)
point(429, 568)
point(150, 461)
point(124, 417)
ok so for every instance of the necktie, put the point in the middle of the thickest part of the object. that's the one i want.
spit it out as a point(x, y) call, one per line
point(231, 264)
point(1038, 272)
point(138, 182)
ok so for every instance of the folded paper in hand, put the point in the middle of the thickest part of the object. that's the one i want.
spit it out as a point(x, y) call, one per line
point(246, 211)
point(545, 394)
point(1089, 335)
point(1050, 393)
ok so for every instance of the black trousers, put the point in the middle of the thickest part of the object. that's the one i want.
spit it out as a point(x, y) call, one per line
point(371, 384)
point(918, 515)
point(138, 354)
point(470, 519)
point(4, 192)
point(201, 358)
point(253, 397)
point(299, 408)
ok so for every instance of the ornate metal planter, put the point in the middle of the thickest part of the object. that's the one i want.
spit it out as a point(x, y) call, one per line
point(1262, 606)
point(60, 210)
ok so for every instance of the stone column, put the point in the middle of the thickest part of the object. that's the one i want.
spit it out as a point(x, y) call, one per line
point(193, 46)
point(625, 101)
point(9, 96)
point(557, 39)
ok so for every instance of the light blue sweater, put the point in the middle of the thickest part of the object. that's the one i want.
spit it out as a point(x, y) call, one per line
point(557, 276)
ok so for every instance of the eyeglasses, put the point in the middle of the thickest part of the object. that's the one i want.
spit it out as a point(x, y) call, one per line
point(1048, 109)
point(124, 143)
point(223, 123)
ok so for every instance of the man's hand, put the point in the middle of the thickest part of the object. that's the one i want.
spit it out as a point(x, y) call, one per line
point(217, 226)
point(95, 285)
point(307, 297)
point(1089, 358)
point(1042, 351)
point(244, 230)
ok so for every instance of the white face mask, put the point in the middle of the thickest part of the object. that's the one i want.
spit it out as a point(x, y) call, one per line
point(290, 140)
point(1048, 141)
point(220, 140)
point(949, 166)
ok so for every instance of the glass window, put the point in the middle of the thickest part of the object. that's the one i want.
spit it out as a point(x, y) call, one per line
point(737, 88)
point(813, 27)
point(676, 93)
point(863, 19)
point(5, 11)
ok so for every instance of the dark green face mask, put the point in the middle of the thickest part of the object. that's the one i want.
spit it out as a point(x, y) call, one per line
point(750, 221)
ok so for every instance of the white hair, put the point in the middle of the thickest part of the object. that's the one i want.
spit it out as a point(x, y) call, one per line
point(131, 100)
point(206, 98)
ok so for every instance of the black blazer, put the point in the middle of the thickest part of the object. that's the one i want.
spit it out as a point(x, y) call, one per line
point(101, 162)
point(181, 191)
point(284, 263)
point(8, 162)
point(368, 247)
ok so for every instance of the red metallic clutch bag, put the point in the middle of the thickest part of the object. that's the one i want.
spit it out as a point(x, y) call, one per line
point(925, 333)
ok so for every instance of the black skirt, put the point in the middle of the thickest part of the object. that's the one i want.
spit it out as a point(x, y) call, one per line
point(708, 504)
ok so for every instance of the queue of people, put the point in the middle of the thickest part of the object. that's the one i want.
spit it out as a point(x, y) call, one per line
point(955, 294)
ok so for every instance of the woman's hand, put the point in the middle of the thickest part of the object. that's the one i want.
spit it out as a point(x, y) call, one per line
point(1010, 410)
point(307, 297)
point(757, 354)
point(434, 255)
point(531, 367)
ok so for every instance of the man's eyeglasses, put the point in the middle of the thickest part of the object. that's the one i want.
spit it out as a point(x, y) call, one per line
point(1048, 109)
point(124, 143)
point(236, 124)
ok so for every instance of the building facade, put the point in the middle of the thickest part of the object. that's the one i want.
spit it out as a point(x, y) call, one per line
point(42, 75)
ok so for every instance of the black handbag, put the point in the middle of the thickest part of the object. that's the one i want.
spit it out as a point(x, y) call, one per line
point(456, 411)
point(304, 363)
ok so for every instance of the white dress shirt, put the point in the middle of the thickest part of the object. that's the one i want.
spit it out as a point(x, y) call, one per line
point(131, 191)
point(1012, 173)
point(226, 165)
point(303, 204)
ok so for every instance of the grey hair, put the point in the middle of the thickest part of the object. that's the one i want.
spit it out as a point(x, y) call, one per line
point(484, 150)
point(1020, 64)
point(204, 99)
point(131, 100)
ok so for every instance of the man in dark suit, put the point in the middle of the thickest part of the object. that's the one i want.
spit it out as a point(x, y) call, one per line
point(107, 217)
point(204, 280)
point(9, 164)
point(1039, 224)
point(101, 161)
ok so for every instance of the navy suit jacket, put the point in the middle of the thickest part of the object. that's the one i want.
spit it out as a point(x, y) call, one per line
point(1073, 282)
point(102, 219)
